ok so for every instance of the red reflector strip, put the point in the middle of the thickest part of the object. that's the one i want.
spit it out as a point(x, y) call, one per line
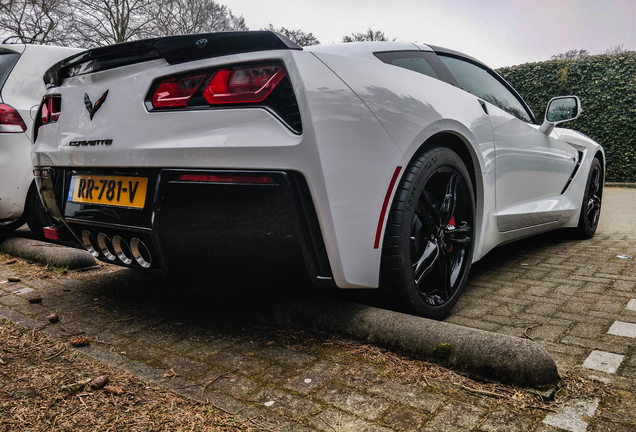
point(51, 233)
point(209, 178)
point(378, 233)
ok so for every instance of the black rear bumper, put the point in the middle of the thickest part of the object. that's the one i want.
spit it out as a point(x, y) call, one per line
point(204, 225)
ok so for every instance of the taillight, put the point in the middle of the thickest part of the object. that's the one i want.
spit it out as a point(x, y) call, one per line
point(239, 84)
point(175, 92)
point(51, 108)
point(243, 84)
point(10, 120)
point(265, 84)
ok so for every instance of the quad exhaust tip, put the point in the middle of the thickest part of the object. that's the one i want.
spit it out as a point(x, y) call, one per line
point(117, 248)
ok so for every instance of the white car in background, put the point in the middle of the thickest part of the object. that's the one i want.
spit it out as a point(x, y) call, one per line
point(373, 164)
point(21, 90)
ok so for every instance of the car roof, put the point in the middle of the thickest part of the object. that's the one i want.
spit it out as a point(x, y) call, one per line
point(366, 49)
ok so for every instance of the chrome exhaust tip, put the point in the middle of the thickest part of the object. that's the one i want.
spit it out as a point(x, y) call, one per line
point(122, 250)
point(106, 246)
point(90, 243)
point(141, 253)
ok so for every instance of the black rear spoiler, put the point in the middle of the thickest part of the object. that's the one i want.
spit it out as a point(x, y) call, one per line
point(174, 49)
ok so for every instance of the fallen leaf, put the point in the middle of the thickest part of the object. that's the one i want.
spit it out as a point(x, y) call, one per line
point(11, 261)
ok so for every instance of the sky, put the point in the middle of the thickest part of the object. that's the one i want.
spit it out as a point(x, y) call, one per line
point(497, 32)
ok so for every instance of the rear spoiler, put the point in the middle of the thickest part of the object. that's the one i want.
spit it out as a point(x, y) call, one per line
point(174, 49)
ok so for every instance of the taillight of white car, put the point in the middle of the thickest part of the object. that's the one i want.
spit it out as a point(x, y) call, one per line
point(233, 85)
point(10, 120)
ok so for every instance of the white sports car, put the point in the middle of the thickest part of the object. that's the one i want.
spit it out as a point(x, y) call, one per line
point(374, 164)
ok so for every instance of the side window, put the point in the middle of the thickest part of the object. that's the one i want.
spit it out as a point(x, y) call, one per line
point(479, 82)
point(424, 62)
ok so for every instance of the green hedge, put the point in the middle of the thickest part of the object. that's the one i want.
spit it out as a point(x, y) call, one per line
point(606, 85)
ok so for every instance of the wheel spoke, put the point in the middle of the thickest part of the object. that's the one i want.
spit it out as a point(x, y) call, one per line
point(426, 262)
point(445, 267)
point(447, 209)
point(427, 211)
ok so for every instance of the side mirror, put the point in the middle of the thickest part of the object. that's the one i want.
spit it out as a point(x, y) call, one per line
point(560, 109)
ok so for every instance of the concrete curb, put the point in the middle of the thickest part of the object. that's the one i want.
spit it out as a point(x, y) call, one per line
point(482, 354)
point(47, 253)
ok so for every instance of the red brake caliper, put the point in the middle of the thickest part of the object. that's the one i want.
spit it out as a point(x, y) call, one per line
point(451, 223)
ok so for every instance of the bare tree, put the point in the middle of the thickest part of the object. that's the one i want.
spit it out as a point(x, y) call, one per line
point(176, 17)
point(296, 36)
point(236, 22)
point(616, 49)
point(571, 55)
point(370, 35)
point(35, 21)
point(104, 22)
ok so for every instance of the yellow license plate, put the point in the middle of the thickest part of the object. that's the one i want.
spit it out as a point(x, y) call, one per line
point(108, 190)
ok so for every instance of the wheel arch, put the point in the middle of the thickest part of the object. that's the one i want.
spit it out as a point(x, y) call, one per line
point(462, 146)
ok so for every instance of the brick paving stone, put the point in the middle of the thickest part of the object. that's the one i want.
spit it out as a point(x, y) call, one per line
point(404, 420)
point(234, 385)
point(360, 376)
point(367, 406)
point(548, 332)
point(603, 361)
point(276, 374)
point(602, 343)
point(503, 419)
point(266, 421)
point(286, 356)
point(333, 420)
point(624, 329)
point(239, 362)
point(145, 353)
point(587, 330)
point(286, 404)
point(455, 417)
point(184, 366)
point(313, 377)
point(210, 348)
point(409, 395)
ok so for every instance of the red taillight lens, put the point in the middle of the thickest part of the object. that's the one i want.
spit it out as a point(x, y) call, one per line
point(10, 120)
point(51, 107)
point(215, 178)
point(245, 84)
point(175, 92)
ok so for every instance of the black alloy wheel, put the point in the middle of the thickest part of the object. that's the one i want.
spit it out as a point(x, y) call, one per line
point(429, 239)
point(591, 206)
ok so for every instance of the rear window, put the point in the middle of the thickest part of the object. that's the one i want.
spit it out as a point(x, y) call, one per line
point(8, 59)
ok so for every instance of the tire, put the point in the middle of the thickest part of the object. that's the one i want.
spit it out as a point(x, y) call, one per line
point(11, 225)
point(429, 238)
point(591, 205)
point(36, 216)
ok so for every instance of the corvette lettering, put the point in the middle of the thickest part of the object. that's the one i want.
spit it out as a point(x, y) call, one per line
point(91, 143)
